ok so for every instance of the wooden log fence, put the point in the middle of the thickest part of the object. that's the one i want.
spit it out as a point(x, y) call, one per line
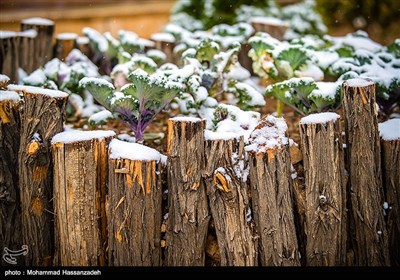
point(80, 180)
point(106, 199)
point(370, 242)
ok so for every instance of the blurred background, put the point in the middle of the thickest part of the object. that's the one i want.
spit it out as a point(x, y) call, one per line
point(380, 18)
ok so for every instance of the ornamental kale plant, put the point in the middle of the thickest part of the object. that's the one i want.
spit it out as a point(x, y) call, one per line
point(138, 102)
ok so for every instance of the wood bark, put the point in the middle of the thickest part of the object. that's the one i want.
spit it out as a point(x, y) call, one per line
point(391, 179)
point(187, 199)
point(229, 202)
point(10, 207)
point(275, 30)
point(43, 42)
point(134, 213)
point(167, 48)
point(9, 56)
point(26, 52)
point(325, 194)
point(64, 45)
point(244, 58)
point(82, 43)
point(80, 179)
point(370, 242)
point(41, 118)
point(272, 203)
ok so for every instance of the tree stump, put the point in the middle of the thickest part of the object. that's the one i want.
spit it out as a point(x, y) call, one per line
point(390, 144)
point(273, 26)
point(65, 43)
point(271, 192)
point(134, 205)
point(10, 207)
point(187, 199)
point(42, 117)
point(26, 52)
point(370, 242)
point(82, 43)
point(44, 39)
point(325, 190)
point(165, 42)
point(80, 179)
point(229, 201)
point(9, 55)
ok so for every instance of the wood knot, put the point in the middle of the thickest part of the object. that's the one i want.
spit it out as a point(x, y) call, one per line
point(323, 203)
point(33, 148)
point(221, 182)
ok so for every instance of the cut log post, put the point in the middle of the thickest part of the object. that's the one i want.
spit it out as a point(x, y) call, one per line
point(390, 144)
point(42, 117)
point(274, 27)
point(271, 192)
point(325, 196)
point(187, 199)
point(244, 58)
point(26, 52)
point(370, 242)
point(229, 202)
point(134, 205)
point(82, 43)
point(10, 207)
point(44, 39)
point(9, 55)
point(165, 42)
point(65, 43)
point(80, 179)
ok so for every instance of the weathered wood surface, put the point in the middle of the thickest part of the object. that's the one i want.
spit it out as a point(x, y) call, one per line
point(370, 242)
point(26, 52)
point(41, 118)
point(65, 43)
point(276, 30)
point(80, 179)
point(187, 199)
point(134, 213)
point(10, 207)
point(272, 204)
point(391, 180)
point(43, 41)
point(9, 46)
point(325, 193)
point(229, 202)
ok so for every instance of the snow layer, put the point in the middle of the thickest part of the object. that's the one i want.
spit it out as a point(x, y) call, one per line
point(211, 135)
point(4, 78)
point(79, 135)
point(185, 119)
point(67, 36)
point(321, 118)
point(390, 129)
point(134, 151)
point(357, 82)
point(37, 21)
point(38, 90)
point(9, 95)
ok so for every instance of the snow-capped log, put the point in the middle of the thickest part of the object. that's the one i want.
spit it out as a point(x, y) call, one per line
point(271, 192)
point(42, 116)
point(134, 200)
point(187, 199)
point(10, 207)
point(325, 190)
point(273, 26)
point(44, 39)
point(9, 55)
point(82, 44)
point(26, 52)
point(65, 43)
point(390, 145)
point(165, 42)
point(370, 243)
point(225, 178)
point(80, 179)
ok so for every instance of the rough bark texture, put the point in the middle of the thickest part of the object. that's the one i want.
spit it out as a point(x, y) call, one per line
point(26, 53)
point(275, 30)
point(391, 179)
point(271, 192)
point(84, 46)
point(43, 43)
point(10, 207)
point(80, 179)
point(9, 57)
point(244, 58)
point(325, 194)
point(63, 47)
point(229, 202)
point(370, 242)
point(134, 213)
point(299, 206)
point(41, 118)
point(187, 199)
